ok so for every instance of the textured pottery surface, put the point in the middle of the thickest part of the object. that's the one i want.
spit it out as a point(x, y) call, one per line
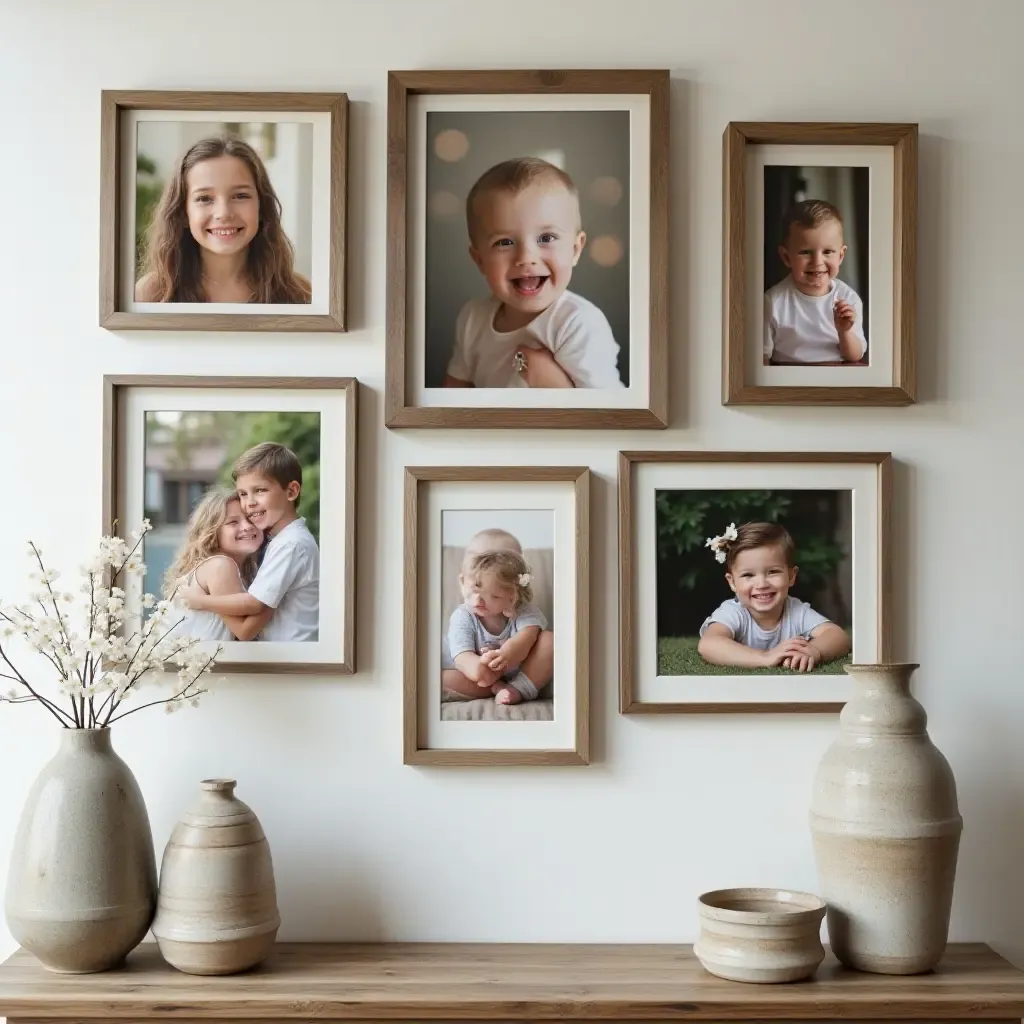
point(81, 889)
point(764, 936)
point(886, 829)
point(217, 906)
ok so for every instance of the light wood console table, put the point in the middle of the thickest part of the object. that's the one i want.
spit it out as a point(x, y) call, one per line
point(415, 982)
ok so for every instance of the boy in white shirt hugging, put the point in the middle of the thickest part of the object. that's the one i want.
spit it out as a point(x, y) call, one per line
point(268, 479)
point(811, 316)
point(525, 236)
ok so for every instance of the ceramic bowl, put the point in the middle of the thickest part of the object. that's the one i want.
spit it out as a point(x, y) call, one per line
point(762, 936)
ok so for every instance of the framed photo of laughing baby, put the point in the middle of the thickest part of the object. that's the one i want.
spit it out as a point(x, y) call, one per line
point(527, 249)
point(749, 580)
point(496, 614)
point(244, 492)
point(820, 264)
point(223, 211)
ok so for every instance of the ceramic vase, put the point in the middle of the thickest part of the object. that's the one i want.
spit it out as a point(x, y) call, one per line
point(886, 829)
point(217, 904)
point(81, 888)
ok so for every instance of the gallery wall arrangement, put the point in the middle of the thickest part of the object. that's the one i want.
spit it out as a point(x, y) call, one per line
point(528, 285)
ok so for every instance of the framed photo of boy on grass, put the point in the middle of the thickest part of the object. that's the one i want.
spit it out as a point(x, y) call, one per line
point(527, 249)
point(244, 490)
point(749, 579)
point(820, 263)
point(223, 211)
point(496, 613)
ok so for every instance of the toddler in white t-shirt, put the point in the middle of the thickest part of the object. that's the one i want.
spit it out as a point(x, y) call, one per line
point(268, 479)
point(811, 316)
point(523, 217)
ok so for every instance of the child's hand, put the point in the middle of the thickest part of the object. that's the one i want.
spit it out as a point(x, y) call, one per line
point(781, 653)
point(805, 661)
point(541, 369)
point(486, 677)
point(844, 316)
point(496, 661)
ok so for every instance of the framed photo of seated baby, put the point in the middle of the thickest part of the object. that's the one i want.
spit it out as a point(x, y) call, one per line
point(527, 249)
point(748, 580)
point(223, 211)
point(819, 224)
point(496, 613)
point(243, 491)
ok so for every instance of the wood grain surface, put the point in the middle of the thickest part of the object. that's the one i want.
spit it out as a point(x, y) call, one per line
point(454, 981)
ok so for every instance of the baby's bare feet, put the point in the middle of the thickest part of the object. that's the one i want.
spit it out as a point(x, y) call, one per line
point(506, 695)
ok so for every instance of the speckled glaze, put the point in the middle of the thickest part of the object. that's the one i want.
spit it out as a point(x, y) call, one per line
point(764, 936)
point(886, 829)
point(81, 888)
point(217, 906)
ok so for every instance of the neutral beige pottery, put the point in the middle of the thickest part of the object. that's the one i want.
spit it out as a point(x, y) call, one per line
point(763, 936)
point(217, 907)
point(886, 829)
point(81, 888)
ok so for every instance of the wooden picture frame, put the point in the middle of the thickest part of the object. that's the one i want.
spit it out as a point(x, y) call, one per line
point(320, 412)
point(436, 730)
point(307, 133)
point(643, 476)
point(421, 320)
point(873, 167)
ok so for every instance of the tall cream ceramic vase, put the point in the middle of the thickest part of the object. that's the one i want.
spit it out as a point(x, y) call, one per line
point(886, 829)
point(217, 906)
point(81, 888)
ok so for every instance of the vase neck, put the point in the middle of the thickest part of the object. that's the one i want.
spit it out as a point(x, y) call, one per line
point(883, 703)
point(82, 740)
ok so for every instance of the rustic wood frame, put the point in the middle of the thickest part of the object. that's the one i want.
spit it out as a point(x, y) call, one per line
point(903, 139)
point(402, 85)
point(415, 476)
point(628, 700)
point(115, 387)
point(113, 104)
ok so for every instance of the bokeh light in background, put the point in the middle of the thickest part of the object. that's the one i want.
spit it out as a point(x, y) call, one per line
point(605, 191)
point(605, 250)
point(451, 145)
point(445, 204)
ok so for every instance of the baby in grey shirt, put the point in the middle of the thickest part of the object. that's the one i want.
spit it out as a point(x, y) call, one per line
point(496, 626)
point(762, 626)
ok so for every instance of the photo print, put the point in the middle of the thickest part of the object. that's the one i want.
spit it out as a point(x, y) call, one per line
point(750, 580)
point(530, 288)
point(246, 495)
point(223, 211)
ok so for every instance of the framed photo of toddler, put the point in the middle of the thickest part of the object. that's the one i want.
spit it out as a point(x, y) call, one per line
point(819, 240)
point(242, 491)
point(496, 616)
point(748, 580)
point(527, 249)
point(223, 211)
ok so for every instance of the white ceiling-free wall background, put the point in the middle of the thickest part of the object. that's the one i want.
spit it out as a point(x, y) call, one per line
point(365, 848)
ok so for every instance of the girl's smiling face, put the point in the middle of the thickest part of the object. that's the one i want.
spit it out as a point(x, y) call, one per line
point(222, 204)
point(237, 536)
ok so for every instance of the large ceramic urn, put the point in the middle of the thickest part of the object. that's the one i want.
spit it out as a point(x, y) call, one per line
point(886, 829)
point(81, 888)
point(217, 905)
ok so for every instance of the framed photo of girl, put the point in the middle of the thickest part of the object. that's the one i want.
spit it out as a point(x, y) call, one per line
point(748, 580)
point(496, 613)
point(820, 263)
point(527, 249)
point(244, 489)
point(223, 211)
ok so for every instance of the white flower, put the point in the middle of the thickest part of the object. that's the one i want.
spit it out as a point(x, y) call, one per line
point(8, 632)
point(720, 544)
point(96, 644)
point(135, 565)
point(148, 600)
point(525, 579)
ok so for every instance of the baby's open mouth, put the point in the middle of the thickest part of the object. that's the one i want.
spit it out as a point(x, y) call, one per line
point(528, 285)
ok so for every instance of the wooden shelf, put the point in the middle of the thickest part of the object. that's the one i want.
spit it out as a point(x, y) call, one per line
point(510, 982)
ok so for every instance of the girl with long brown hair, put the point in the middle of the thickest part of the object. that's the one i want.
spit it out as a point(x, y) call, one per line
point(216, 235)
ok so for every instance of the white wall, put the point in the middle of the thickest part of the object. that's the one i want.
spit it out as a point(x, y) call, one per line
point(364, 847)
